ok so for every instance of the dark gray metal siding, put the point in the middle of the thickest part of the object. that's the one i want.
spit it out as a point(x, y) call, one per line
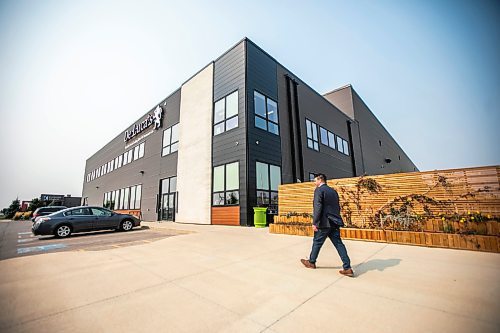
point(317, 109)
point(262, 77)
point(229, 76)
point(154, 166)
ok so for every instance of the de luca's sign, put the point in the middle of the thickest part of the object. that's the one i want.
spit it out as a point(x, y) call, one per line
point(151, 119)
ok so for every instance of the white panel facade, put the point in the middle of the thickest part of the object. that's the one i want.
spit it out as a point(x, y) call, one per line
point(194, 166)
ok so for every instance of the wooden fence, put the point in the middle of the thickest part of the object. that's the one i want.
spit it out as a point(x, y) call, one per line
point(462, 202)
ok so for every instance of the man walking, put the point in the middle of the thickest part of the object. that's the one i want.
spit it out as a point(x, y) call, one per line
point(326, 204)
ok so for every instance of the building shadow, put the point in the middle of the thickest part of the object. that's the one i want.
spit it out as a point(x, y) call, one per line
point(375, 264)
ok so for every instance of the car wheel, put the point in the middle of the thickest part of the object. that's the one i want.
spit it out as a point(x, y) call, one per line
point(126, 225)
point(63, 231)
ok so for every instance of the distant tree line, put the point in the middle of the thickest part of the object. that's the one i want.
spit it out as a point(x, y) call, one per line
point(15, 206)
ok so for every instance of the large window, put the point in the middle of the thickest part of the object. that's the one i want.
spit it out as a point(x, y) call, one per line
point(125, 198)
point(226, 185)
point(266, 113)
point(268, 180)
point(226, 113)
point(327, 138)
point(342, 146)
point(312, 135)
point(170, 140)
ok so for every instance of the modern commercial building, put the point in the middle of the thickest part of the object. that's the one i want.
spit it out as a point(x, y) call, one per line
point(229, 136)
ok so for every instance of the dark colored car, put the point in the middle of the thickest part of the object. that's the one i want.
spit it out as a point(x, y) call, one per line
point(83, 218)
point(42, 211)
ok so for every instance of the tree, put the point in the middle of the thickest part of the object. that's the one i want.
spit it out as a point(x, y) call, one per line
point(36, 203)
point(13, 208)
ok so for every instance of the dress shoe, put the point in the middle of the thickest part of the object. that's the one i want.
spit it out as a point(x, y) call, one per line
point(347, 272)
point(307, 263)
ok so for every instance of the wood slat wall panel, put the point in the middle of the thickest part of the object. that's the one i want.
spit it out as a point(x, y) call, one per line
point(226, 215)
point(464, 190)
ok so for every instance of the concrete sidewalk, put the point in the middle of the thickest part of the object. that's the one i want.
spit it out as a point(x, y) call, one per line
point(237, 279)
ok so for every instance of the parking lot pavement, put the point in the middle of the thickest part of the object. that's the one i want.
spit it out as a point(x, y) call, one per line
point(237, 279)
point(16, 239)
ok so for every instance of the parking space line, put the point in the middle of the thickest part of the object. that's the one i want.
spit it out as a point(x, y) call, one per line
point(25, 233)
point(24, 240)
point(40, 248)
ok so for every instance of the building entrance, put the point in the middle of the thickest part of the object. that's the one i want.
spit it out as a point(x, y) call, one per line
point(168, 207)
point(168, 196)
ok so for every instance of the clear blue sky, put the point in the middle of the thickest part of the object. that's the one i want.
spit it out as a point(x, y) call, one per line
point(74, 74)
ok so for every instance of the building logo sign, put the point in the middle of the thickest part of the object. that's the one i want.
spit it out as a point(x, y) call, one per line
point(154, 119)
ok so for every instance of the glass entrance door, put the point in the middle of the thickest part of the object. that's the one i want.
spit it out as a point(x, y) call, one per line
point(168, 207)
point(168, 194)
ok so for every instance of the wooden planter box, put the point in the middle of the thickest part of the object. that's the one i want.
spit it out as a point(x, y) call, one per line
point(431, 239)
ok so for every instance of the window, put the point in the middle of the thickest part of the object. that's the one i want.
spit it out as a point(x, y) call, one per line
point(170, 140)
point(116, 197)
point(78, 212)
point(136, 153)
point(226, 185)
point(226, 113)
point(268, 179)
point(266, 113)
point(324, 136)
point(100, 212)
point(141, 150)
point(342, 146)
point(130, 155)
point(132, 197)
point(138, 195)
point(312, 135)
point(331, 140)
point(327, 137)
point(346, 148)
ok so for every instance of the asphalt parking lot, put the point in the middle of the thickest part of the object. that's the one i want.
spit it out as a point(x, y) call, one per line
point(16, 240)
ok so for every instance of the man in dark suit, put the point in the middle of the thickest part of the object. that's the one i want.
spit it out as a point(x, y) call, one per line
point(326, 204)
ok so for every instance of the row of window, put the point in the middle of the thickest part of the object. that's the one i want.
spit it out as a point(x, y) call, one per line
point(328, 138)
point(226, 113)
point(226, 184)
point(128, 157)
point(125, 198)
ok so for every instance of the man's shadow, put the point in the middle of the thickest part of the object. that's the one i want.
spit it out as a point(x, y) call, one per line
point(375, 264)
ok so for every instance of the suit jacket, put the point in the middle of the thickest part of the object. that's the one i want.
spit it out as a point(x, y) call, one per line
point(326, 202)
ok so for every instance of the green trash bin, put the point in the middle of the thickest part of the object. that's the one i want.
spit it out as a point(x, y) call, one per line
point(259, 217)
